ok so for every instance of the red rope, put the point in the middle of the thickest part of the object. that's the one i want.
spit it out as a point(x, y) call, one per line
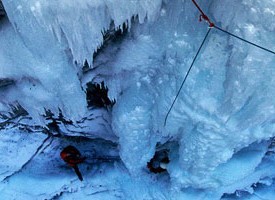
point(203, 16)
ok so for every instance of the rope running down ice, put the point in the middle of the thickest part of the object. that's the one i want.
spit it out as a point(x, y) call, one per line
point(211, 25)
point(205, 37)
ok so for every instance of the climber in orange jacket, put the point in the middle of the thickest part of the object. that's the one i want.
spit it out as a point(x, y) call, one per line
point(72, 157)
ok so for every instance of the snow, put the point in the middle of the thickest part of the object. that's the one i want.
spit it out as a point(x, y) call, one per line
point(218, 133)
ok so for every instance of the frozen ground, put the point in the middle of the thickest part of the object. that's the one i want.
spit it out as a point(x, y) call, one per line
point(220, 133)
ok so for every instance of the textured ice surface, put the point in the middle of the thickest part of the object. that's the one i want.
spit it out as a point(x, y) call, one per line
point(50, 43)
point(218, 133)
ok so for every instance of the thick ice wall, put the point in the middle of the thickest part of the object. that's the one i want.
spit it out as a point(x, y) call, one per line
point(151, 67)
point(249, 69)
point(53, 35)
point(231, 84)
point(227, 101)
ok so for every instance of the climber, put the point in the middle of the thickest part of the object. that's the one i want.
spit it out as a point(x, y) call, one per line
point(72, 157)
point(159, 162)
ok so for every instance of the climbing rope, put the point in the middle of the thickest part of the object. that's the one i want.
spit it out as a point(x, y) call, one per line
point(205, 37)
point(244, 40)
point(211, 25)
point(203, 16)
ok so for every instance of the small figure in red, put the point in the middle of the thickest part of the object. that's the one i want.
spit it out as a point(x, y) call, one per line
point(72, 157)
point(159, 162)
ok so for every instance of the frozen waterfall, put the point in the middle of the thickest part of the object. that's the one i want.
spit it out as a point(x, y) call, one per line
point(101, 75)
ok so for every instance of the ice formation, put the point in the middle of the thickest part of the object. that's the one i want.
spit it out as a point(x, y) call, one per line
point(220, 133)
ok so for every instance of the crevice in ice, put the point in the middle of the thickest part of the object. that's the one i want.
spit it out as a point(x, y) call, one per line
point(97, 96)
point(2, 11)
point(6, 82)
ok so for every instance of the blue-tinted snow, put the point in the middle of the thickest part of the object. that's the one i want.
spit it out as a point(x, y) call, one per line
point(220, 124)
